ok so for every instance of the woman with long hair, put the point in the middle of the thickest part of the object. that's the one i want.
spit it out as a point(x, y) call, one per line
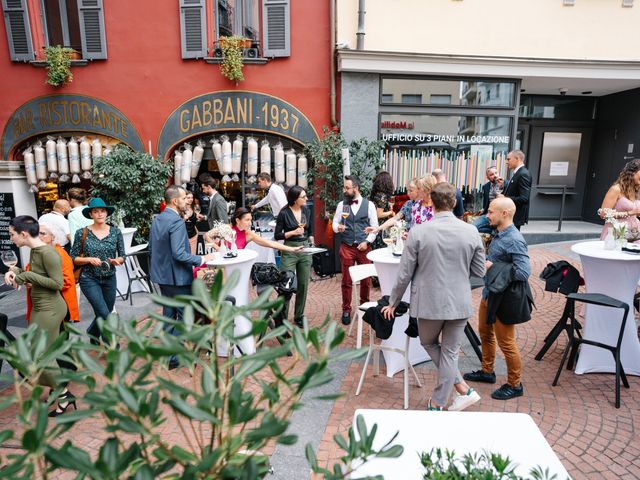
point(45, 281)
point(294, 225)
point(98, 249)
point(381, 196)
point(190, 221)
point(623, 198)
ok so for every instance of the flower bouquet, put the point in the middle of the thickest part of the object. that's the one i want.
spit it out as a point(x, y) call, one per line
point(228, 236)
point(396, 233)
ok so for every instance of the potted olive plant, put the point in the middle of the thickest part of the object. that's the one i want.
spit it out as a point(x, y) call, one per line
point(58, 60)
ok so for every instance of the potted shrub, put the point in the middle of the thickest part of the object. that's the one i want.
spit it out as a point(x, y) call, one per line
point(232, 58)
point(58, 60)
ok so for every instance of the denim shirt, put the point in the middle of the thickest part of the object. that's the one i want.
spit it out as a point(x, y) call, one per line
point(509, 246)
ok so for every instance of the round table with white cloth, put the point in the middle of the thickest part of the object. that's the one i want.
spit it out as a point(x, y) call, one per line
point(613, 273)
point(241, 264)
point(387, 267)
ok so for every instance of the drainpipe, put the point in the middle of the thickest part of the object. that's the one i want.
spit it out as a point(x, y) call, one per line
point(360, 33)
point(332, 53)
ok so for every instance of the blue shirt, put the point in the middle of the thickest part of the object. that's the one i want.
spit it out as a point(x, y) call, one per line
point(509, 246)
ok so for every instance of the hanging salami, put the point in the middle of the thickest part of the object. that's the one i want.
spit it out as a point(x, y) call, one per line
point(291, 168)
point(279, 163)
point(85, 157)
point(30, 169)
point(63, 159)
point(52, 158)
point(177, 168)
point(41, 164)
point(198, 153)
point(303, 167)
point(187, 157)
point(265, 157)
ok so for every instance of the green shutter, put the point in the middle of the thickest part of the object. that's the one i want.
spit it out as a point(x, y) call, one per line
point(92, 32)
point(193, 29)
point(16, 20)
point(276, 28)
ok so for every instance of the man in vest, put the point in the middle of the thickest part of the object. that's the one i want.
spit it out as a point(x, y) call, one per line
point(353, 215)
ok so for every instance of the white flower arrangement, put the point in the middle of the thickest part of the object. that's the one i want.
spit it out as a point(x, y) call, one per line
point(611, 217)
point(397, 231)
point(224, 231)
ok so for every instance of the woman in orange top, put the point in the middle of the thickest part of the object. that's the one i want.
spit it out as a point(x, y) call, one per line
point(52, 235)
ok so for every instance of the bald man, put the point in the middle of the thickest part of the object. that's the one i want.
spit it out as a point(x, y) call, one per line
point(58, 216)
point(508, 255)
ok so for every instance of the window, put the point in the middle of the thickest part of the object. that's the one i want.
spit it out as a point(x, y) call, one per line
point(412, 98)
point(437, 99)
point(236, 17)
point(78, 24)
point(387, 98)
point(467, 93)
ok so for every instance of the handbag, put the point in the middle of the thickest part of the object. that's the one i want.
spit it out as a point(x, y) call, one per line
point(265, 274)
point(77, 270)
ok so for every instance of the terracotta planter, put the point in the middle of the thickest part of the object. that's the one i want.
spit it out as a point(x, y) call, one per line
point(75, 55)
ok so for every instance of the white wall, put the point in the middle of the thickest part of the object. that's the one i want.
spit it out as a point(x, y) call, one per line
point(590, 30)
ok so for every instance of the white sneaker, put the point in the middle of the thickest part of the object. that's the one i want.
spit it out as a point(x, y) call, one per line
point(464, 401)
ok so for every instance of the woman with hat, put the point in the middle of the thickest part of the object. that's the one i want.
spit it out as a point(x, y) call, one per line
point(98, 249)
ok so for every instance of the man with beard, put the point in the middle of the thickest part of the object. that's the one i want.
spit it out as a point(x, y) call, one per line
point(490, 191)
point(171, 260)
point(353, 215)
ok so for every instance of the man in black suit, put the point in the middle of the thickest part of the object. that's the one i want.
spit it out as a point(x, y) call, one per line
point(519, 187)
point(489, 192)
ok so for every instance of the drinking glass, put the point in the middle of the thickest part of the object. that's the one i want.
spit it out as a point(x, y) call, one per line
point(388, 240)
point(196, 209)
point(9, 258)
point(303, 220)
point(346, 210)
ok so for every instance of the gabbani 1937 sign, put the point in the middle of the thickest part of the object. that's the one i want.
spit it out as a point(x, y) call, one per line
point(234, 110)
point(67, 113)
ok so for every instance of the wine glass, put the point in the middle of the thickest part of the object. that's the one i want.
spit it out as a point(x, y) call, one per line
point(196, 208)
point(388, 240)
point(345, 212)
point(303, 221)
point(9, 258)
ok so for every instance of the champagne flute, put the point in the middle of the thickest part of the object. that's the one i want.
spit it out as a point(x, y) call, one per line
point(9, 258)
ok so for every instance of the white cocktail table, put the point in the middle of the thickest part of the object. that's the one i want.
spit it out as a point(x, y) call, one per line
point(241, 264)
point(616, 274)
point(461, 432)
point(387, 267)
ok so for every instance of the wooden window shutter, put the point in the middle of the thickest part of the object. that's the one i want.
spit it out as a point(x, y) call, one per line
point(94, 43)
point(276, 25)
point(16, 20)
point(193, 29)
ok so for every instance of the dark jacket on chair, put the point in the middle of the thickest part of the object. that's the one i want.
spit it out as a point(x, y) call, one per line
point(561, 277)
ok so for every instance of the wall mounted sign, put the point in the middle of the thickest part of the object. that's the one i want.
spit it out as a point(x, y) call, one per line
point(7, 212)
point(233, 111)
point(67, 113)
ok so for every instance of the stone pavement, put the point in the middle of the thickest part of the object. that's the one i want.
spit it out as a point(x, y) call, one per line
point(591, 437)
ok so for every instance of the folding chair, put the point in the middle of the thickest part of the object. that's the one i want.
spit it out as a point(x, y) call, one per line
point(359, 273)
point(574, 343)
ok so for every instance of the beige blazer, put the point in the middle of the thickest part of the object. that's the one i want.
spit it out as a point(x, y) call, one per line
point(438, 259)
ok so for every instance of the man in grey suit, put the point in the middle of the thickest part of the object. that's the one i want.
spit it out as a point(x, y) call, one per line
point(171, 260)
point(438, 259)
point(218, 208)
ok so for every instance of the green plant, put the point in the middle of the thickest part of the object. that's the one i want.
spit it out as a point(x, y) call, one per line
point(232, 61)
point(133, 182)
point(227, 411)
point(443, 465)
point(58, 61)
point(326, 172)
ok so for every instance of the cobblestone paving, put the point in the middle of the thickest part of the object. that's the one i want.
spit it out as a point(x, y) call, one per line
point(578, 418)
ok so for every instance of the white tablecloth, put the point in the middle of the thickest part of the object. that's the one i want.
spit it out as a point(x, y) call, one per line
point(265, 254)
point(387, 267)
point(616, 274)
point(242, 264)
point(511, 434)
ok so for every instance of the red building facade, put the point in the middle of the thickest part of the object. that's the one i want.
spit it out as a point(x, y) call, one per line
point(149, 77)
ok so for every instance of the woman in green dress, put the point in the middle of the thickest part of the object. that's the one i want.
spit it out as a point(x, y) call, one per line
point(48, 305)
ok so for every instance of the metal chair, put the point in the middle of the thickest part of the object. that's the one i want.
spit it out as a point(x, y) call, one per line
point(359, 273)
point(574, 343)
point(135, 273)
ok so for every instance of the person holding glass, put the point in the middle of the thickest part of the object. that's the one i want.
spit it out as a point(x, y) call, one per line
point(294, 225)
point(98, 249)
point(382, 197)
point(45, 281)
point(190, 220)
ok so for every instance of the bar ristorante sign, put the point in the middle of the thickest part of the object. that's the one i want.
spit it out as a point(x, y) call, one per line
point(67, 113)
point(234, 111)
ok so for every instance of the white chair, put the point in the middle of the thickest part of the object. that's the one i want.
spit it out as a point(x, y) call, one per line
point(358, 273)
point(375, 349)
